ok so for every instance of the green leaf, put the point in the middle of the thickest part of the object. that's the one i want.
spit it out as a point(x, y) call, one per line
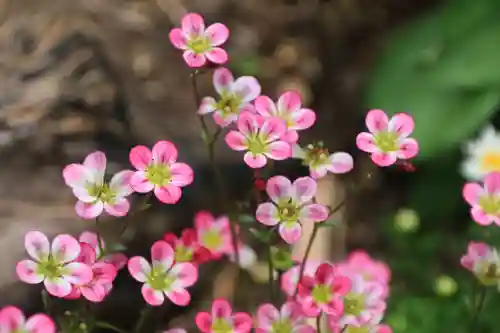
point(328, 223)
point(246, 219)
point(281, 258)
point(262, 235)
point(116, 247)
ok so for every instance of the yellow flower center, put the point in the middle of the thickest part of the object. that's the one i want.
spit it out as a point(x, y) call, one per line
point(220, 325)
point(387, 141)
point(490, 204)
point(50, 269)
point(102, 192)
point(354, 304)
point(212, 240)
point(321, 293)
point(199, 44)
point(158, 174)
point(183, 254)
point(229, 103)
point(491, 161)
point(255, 144)
point(158, 279)
point(488, 273)
point(282, 326)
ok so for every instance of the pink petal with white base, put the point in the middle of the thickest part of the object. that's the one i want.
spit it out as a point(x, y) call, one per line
point(340, 163)
point(104, 272)
point(76, 175)
point(384, 159)
point(224, 119)
point(267, 214)
point(291, 137)
point(169, 194)
point(91, 239)
point(204, 322)
point(265, 106)
point(272, 129)
point(162, 255)
point(140, 183)
point(408, 148)
point(480, 216)
point(247, 123)
point(223, 80)
point(194, 60)
point(221, 309)
point(242, 322)
point(303, 189)
point(492, 183)
point(279, 150)
point(78, 273)
point(151, 296)
point(247, 88)
point(472, 192)
point(120, 183)
point(89, 211)
point(182, 174)
point(119, 208)
point(279, 188)
point(207, 105)
point(65, 248)
point(186, 274)
point(376, 121)
point(317, 172)
point(303, 119)
point(289, 102)
point(192, 25)
point(218, 34)
point(290, 232)
point(365, 142)
point(82, 194)
point(87, 254)
point(96, 163)
point(11, 320)
point(402, 124)
point(40, 323)
point(255, 161)
point(94, 292)
point(119, 260)
point(140, 157)
point(178, 39)
point(313, 213)
point(236, 141)
point(37, 245)
point(139, 268)
point(26, 271)
point(267, 315)
point(164, 152)
point(217, 56)
point(179, 297)
point(58, 287)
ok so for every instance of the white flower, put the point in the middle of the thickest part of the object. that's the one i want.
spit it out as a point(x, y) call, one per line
point(482, 155)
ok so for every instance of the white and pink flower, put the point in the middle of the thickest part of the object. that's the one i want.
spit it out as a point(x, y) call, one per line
point(222, 319)
point(320, 161)
point(214, 234)
point(200, 43)
point(484, 200)
point(484, 262)
point(261, 138)
point(289, 109)
point(13, 320)
point(119, 260)
point(53, 263)
point(159, 171)
point(235, 97)
point(93, 193)
point(288, 319)
point(290, 279)
point(163, 277)
point(388, 140)
point(291, 206)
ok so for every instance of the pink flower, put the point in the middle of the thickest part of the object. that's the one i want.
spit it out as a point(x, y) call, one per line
point(12, 320)
point(235, 96)
point(289, 108)
point(198, 43)
point(187, 248)
point(323, 292)
point(102, 282)
point(119, 260)
point(289, 319)
point(222, 319)
point(388, 140)
point(93, 193)
point(290, 278)
point(360, 262)
point(484, 200)
point(261, 138)
point(320, 161)
point(163, 277)
point(292, 205)
point(213, 234)
point(53, 264)
point(158, 171)
point(484, 262)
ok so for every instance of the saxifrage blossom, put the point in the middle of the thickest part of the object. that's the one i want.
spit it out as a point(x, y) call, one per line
point(288, 319)
point(388, 140)
point(222, 319)
point(320, 161)
point(159, 171)
point(200, 43)
point(484, 262)
point(94, 194)
point(289, 109)
point(482, 155)
point(234, 96)
point(261, 138)
point(484, 200)
point(291, 206)
point(119, 260)
point(13, 320)
point(290, 279)
point(53, 263)
point(187, 248)
point(213, 233)
point(163, 277)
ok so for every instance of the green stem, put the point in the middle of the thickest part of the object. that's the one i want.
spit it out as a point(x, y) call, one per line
point(306, 255)
point(102, 324)
point(142, 319)
point(479, 308)
point(46, 301)
point(99, 237)
point(271, 272)
point(318, 323)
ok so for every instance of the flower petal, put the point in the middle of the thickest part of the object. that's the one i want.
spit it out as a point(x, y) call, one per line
point(492, 183)
point(221, 309)
point(119, 208)
point(96, 164)
point(324, 274)
point(408, 148)
point(104, 272)
point(242, 322)
point(169, 194)
point(303, 189)
point(272, 129)
point(76, 175)
point(480, 216)
point(247, 123)
point(37, 245)
point(247, 256)
point(376, 121)
point(236, 141)
point(279, 188)
point(87, 254)
point(279, 150)
point(383, 159)
point(94, 292)
point(78, 273)
point(194, 60)
point(289, 102)
point(182, 174)
point(207, 105)
point(265, 106)
point(267, 315)
point(223, 80)
point(186, 274)
point(89, 211)
point(120, 183)
point(139, 268)
point(27, 271)
point(40, 323)
point(151, 296)
point(162, 255)
point(65, 248)
point(472, 192)
point(366, 142)
point(180, 297)
point(140, 157)
point(313, 213)
point(217, 55)
point(12, 320)
point(303, 119)
point(290, 232)
point(255, 161)
point(340, 163)
point(267, 214)
point(82, 194)
point(192, 25)
point(164, 152)
point(217, 33)
point(178, 39)
point(247, 88)
point(402, 124)
point(119, 260)
point(57, 287)
point(140, 183)
point(204, 321)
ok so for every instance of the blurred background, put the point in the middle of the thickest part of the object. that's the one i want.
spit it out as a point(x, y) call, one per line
point(82, 75)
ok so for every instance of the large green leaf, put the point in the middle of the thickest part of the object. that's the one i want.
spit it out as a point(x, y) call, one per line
point(443, 69)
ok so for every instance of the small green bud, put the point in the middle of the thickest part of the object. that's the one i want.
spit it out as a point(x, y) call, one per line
point(445, 285)
point(406, 220)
